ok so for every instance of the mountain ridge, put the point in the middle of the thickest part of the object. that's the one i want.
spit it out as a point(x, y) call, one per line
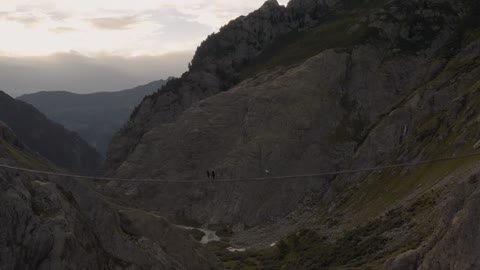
point(51, 140)
point(215, 66)
point(318, 85)
point(401, 87)
point(96, 116)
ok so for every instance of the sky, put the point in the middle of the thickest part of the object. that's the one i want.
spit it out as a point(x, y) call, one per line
point(104, 45)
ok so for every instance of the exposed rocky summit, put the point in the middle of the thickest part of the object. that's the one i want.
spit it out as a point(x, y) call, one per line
point(49, 139)
point(216, 67)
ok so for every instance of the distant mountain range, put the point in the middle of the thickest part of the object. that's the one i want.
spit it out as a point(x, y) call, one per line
point(47, 138)
point(96, 117)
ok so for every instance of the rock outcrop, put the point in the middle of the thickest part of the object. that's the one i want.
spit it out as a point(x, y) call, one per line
point(318, 116)
point(406, 90)
point(60, 223)
point(215, 67)
point(261, 126)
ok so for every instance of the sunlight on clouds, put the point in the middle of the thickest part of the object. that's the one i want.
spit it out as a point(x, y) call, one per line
point(48, 37)
point(80, 46)
point(125, 27)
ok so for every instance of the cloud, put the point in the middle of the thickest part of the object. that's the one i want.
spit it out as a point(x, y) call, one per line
point(178, 28)
point(25, 18)
point(121, 27)
point(115, 23)
point(63, 29)
point(108, 48)
point(78, 73)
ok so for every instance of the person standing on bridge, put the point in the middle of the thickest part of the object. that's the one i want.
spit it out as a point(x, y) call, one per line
point(213, 175)
point(208, 174)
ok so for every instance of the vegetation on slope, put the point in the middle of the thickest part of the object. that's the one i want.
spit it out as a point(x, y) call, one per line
point(13, 152)
point(51, 140)
point(336, 31)
point(392, 211)
point(95, 117)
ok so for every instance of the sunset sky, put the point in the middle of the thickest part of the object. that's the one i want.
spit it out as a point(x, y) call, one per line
point(119, 27)
point(104, 45)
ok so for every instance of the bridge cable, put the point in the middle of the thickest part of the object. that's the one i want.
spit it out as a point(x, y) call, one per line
point(286, 177)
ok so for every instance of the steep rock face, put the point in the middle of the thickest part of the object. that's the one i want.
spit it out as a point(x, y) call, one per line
point(418, 217)
point(215, 67)
point(304, 120)
point(50, 226)
point(59, 223)
point(408, 92)
point(425, 213)
point(51, 140)
point(318, 116)
point(219, 53)
point(442, 117)
point(42, 229)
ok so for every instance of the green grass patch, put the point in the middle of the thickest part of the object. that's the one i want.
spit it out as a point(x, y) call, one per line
point(222, 230)
point(16, 155)
point(365, 246)
point(295, 47)
point(250, 259)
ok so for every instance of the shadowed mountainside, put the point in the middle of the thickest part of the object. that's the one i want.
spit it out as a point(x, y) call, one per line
point(51, 140)
point(95, 117)
point(60, 223)
point(321, 86)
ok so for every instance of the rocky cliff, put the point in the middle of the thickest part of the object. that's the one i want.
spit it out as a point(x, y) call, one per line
point(60, 223)
point(216, 66)
point(361, 84)
point(314, 116)
point(49, 139)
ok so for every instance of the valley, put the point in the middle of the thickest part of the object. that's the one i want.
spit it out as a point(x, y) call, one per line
point(343, 135)
point(95, 117)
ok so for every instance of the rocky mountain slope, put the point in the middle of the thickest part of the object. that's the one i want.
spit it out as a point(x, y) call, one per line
point(321, 86)
point(60, 223)
point(49, 139)
point(14, 152)
point(314, 116)
point(95, 117)
point(216, 66)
